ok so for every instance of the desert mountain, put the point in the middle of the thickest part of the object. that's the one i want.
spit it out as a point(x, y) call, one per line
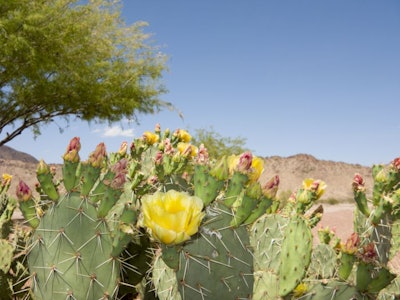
point(337, 175)
point(291, 170)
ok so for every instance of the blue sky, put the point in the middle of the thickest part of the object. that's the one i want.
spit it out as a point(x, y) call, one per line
point(316, 77)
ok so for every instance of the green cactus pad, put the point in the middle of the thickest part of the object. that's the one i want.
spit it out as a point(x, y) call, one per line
point(266, 237)
point(333, 290)
point(164, 280)
point(217, 263)
point(323, 262)
point(296, 254)
point(68, 262)
point(392, 291)
point(206, 187)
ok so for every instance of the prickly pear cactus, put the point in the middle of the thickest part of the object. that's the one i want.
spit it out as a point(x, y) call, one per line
point(282, 254)
point(70, 253)
point(73, 253)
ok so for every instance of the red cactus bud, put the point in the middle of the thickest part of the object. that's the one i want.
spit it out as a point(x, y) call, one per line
point(23, 191)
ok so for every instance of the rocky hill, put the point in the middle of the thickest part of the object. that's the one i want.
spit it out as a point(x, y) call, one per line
point(337, 175)
point(291, 170)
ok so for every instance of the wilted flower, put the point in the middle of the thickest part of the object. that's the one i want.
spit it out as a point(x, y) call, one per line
point(172, 217)
point(150, 138)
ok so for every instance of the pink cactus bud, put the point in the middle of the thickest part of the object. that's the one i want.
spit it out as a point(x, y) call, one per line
point(396, 163)
point(120, 171)
point(23, 191)
point(168, 149)
point(96, 158)
point(358, 182)
point(118, 181)
point(270, 188)
point(245, 161)
point(202, 155)
point(158, 159)
point(71, 154)
point(120, 166)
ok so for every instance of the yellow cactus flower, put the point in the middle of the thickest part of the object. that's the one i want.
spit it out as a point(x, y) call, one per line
point(183, 135)
point(257, 167)
point(6, 179)
point(171, 217)
point(150, 138)
point(316, 186)
point(187, 149)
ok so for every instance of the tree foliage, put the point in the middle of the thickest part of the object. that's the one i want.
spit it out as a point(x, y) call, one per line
point(71, 58)
point(217, 145)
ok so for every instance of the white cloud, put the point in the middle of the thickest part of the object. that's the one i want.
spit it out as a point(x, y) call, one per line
point(115, 131)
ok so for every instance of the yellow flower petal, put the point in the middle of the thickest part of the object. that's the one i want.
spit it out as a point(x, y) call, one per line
point(172, 217)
